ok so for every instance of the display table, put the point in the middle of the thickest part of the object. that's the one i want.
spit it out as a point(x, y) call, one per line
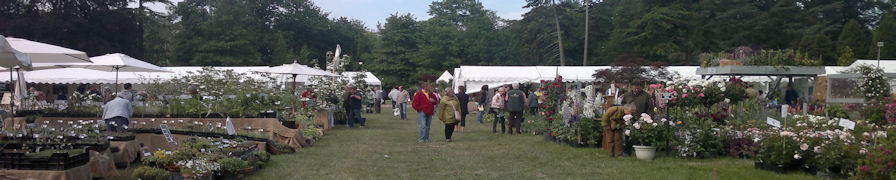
point(152, 142)
point(78, 173)
point(269, 126)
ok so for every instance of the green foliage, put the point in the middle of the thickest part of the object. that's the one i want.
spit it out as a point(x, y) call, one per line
point(234, 164)
point(818, 46)
point(886, 33)
point(150, 173)
point(699, 139)
point(836, 110)
point(878, 163)
point(853, 38)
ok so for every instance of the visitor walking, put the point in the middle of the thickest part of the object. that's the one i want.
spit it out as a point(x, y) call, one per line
point(347, 104)
point(462, 99)
point(378, 99)
point(117, 112)
point(355, 116)
point(424, 102)
point(401, 97)
point(449, 113)
point(392, 95)
point(481, 103)
point(497, 106)
point(516, 103)
point(532, 102)
point(641, 101)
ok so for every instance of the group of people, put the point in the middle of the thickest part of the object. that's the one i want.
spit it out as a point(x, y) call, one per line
point(636, 102)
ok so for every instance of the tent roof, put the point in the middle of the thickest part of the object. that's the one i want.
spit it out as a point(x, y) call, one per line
point(447, 77)
point(370, 79)
point(87, 76)
point(889, 66)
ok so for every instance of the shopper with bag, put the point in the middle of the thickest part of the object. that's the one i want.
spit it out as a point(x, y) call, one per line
point(401, 97)
point(449, 113)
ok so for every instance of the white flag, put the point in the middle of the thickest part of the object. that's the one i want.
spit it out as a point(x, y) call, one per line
point(338, 53)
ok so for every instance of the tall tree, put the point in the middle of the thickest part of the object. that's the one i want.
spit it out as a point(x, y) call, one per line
point(886, 33)
point(854, 36)
point(399, 41)
point(819, 46)
point(559, 50)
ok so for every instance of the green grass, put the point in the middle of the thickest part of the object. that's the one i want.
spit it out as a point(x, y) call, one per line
point(478, 154)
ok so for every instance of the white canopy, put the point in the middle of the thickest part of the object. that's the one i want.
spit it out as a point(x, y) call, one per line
point(118, 62)
point(446, 77)
point(297, 69)
point(10, 57)
point(47, 53)
point(370, 79)
point(87, 76)
point(889, 66)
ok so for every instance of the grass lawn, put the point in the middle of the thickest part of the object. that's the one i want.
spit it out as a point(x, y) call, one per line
point(388, 149)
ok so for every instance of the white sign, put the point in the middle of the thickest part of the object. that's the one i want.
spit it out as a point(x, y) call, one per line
point(773, 122)
point(784, 110)
point(230, 129)
point(805, 108)
point(846, 123)
point(666, 96)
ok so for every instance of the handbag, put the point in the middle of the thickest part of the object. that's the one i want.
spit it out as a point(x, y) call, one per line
point(395, 112)
point(456, 113)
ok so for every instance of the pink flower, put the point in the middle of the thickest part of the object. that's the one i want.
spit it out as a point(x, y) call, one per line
point(700, 95)
point(685, 95)
point(653, 86)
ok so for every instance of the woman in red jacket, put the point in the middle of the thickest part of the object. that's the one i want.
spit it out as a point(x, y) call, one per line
point(424, 102)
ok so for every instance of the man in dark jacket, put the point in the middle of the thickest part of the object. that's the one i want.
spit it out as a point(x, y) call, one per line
point(516, 101)
point(462, 99)
point(355, 105)
point(641, 101)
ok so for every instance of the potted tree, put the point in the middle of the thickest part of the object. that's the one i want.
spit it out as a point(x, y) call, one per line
point(646, 134)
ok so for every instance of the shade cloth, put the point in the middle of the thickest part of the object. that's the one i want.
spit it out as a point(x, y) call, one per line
point(102, 164)
point(127, 151)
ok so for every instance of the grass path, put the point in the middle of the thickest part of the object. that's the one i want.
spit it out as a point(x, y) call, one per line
point(388, 149)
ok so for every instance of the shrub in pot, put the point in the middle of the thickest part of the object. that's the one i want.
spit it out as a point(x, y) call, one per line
point(232, 167)
point(151, 173)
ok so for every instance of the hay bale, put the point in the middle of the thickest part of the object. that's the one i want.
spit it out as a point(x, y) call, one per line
point(728, 62)
point(821, 89)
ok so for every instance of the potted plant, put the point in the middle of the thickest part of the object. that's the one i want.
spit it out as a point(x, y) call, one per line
point(646, 134)
point(232, 168)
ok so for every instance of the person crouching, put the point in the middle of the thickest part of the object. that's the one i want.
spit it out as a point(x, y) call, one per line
point(117, 112)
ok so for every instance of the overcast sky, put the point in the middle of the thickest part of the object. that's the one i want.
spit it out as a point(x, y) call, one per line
point(373, 11)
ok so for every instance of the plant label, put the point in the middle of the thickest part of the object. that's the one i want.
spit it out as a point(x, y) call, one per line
point(846, 123)
point(230, 129)
point(773, 122)
point(147, 154)
point(784, 109)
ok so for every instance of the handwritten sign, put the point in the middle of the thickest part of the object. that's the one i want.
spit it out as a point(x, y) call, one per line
point(773, 122)
point(167, 133)
point(846, 123)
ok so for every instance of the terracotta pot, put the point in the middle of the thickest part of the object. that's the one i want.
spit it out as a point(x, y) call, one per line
point(173, 168)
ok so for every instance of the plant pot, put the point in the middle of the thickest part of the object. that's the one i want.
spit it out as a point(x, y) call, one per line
point(646, 153)
point(191, 176)
point(289, 124)
point(229, 176)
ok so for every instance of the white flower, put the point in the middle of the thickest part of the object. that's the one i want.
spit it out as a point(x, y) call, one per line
point(644, 115)
point(796, 156)
point(817, 149)
point(727, 100)
point(663, 120)
point(723, 89)
point(627, 132)
point(804, 146)
point(637, 126)
point(627, 117)
point(648, 121)
point(863, 151)
point(654, 124)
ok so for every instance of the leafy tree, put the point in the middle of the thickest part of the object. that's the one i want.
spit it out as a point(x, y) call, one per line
point(854, 37)
point(398, 43)
point(846, 56)
point(818, 46)
point(886, 33)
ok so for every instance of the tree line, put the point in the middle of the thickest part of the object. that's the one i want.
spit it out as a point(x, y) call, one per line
point(406, 49)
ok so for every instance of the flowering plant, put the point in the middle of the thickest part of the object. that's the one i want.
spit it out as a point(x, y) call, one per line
point(646, 131)
point(553, 91)
point(699, 139)
point(873, 84)
point(880, 162)
point(199, 166)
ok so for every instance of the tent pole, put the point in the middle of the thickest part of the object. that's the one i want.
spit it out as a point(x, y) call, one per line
point(294, 82)
point(11, 96)
point(116, 79)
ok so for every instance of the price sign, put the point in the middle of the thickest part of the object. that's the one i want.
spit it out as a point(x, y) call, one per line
point(846, 123)
point(773, 122)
